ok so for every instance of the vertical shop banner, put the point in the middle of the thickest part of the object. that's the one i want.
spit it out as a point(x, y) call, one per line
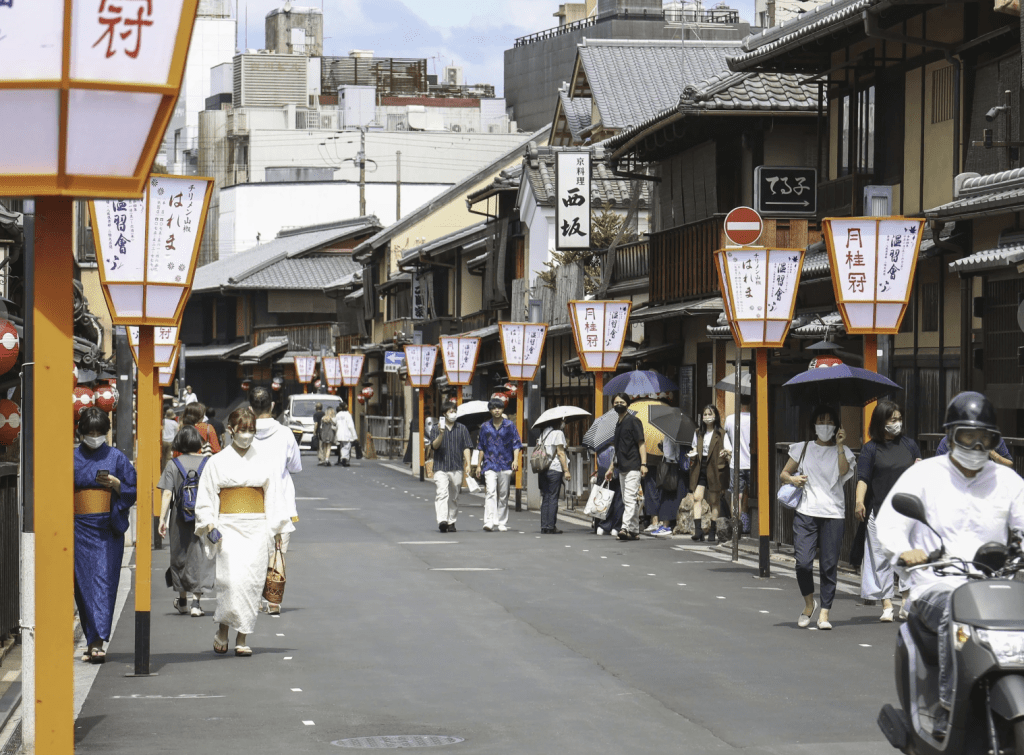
point(572, 200)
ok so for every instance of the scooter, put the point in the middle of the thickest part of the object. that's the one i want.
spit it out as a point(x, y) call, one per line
point(987, 637)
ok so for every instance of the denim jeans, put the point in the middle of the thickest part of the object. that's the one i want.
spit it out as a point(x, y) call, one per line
point(933, 608)
point(550, 483)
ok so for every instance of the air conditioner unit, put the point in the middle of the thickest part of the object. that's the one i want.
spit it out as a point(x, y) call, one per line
point(456, 127)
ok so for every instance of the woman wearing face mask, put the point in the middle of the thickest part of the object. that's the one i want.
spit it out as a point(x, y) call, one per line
point(820, 468)
point(239, 517)
point(882, 460)
point(709, 469)
point(105, 487)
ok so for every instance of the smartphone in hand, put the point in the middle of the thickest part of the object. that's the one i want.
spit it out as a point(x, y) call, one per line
point(102, 475)
point(214, 535)
point(441, 423)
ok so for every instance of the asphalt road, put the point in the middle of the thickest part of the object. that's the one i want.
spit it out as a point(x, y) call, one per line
point(512, 642)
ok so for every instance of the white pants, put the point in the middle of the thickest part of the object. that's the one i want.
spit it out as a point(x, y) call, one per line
point(446, 499)
point(496, 502)
point(344, 450)
point(876, 579)
point(630, 492)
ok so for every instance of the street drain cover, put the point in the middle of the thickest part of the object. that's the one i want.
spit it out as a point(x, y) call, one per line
point(393, 743)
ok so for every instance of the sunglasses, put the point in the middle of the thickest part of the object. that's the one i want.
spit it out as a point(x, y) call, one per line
point(970, 437)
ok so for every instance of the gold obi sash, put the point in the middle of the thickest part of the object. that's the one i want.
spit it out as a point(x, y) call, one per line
point(92, 501)
point(241, 501)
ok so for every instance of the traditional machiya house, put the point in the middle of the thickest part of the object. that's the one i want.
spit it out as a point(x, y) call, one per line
point(251, 313)
point(907, 88)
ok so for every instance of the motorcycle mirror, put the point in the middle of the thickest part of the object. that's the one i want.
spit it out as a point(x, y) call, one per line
point(910, 506)
point(992, 556)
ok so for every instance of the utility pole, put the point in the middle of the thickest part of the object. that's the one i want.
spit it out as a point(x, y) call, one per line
point(398, 186)
point(362, 171)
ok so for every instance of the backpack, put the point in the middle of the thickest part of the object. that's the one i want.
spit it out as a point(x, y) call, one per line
point(189, 489)
point(540, 459)
point(327, 431)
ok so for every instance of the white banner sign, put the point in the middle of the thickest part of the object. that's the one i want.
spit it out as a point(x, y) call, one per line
point(759, 288)
point(460, 355)
point(572, 200)
point(599, 328)
point(522, 346)
point(332, 371)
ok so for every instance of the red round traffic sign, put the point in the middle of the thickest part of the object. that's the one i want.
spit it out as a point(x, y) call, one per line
point(743, 226)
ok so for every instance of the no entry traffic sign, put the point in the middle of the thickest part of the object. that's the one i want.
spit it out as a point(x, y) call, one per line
point(743, 226)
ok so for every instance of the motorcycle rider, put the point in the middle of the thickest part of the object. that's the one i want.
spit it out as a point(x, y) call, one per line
point(969, 501)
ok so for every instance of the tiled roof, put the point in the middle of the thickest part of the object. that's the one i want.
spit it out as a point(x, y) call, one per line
point(977, 195)
point(823, 21)
point(287, 244)
point(634, 80)
point(301, 273)
point(577, 113)
point(508, 179)
point(755, 92)
point(605, 185)
point(811, 326)
point(990, 259)
point(452, 239)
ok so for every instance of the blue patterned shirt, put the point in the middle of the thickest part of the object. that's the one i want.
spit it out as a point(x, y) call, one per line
point(499, 446)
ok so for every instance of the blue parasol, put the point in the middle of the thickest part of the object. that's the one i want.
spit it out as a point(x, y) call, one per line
point(842, 384)
point(639, 383)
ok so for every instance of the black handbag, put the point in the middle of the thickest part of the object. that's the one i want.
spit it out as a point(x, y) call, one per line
point(668, 475)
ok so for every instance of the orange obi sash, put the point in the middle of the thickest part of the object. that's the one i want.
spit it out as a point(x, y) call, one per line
point(241, 501)
point(92, 501)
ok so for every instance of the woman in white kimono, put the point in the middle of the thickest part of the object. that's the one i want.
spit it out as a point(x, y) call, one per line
point(239, 518)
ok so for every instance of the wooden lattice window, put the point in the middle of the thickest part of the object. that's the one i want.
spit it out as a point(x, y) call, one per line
point(942, 94)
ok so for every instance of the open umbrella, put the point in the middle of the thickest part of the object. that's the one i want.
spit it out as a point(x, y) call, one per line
point(728, 383)
point(602, 432)
point(676, 426)
point(639, 383)
point(652, 435)
point(842, 384)
point(560, 413)
point(473, 413)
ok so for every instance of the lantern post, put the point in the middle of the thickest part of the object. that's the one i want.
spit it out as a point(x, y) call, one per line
point(872, 261)
point(351, 372)
point(522, 347)
point(459, 355)
point(420, 361)
point(599, 330)
point(759, 289)
point(304, 369)
point(332, 372)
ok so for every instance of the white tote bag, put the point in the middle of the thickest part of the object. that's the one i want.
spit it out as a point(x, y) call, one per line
point(600, 501)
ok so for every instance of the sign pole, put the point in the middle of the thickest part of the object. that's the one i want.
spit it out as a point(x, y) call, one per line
point(459, 394)
point(148, 432)
point(598, 394)
point(423, 440)
point(763, 456)
point(737, 442)
point(870, 363)
point(521, 427)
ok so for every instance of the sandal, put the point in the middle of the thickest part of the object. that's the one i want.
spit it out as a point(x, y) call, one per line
point(243, 651)
point(219, 649)
point(97, 656)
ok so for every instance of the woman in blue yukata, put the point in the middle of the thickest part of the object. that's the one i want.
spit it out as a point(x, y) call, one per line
point(105, 490)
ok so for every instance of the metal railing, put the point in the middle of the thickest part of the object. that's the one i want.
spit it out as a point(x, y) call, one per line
point(10, 551)
point(387, 435)
point(709, 16)
point(557, 31)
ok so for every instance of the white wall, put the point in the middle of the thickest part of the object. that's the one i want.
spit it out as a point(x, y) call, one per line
point(266, 209)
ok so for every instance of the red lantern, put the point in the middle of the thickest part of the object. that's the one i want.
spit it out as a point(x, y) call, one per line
point(316, 383)
point(105, 397)
point(824, 362)
point(361, 399)
point(501, 397)
point(367, 392)
point(10, 422)
point(83, 400)
point(9, 346)
point(246, 385)
point(277, 383)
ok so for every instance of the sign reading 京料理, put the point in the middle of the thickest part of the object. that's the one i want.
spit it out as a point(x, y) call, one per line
point(460, 355)
point(599, 328)
point(422, 360)
point(872, 261)
point(572, 200)
point(351, 368)
point(522, 345)
point(759, 288)
point(393, 361)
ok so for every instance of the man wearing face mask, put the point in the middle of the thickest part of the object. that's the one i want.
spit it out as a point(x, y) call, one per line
point(451, 443)
point(630, 461)
point(277, 448)
point(969, 501)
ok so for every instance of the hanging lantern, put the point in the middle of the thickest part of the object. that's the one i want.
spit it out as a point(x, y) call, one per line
point(105, 397)
point(503, 398)
point(246, 384)
point(316, 384)
point(361, 399)
point(367, 392)
point(9, 346)
point(824, 362)
point(10, 422)
point(277, 383)
point(82, 401)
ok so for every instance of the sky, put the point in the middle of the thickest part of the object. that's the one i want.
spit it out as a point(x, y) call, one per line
point(470, 33)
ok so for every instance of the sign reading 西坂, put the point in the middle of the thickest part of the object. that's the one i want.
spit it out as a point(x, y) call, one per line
point(785, 191)
point(572, 200)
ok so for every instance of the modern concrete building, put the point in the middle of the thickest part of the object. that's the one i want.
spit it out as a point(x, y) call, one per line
point(538, 63)
point(295, 30)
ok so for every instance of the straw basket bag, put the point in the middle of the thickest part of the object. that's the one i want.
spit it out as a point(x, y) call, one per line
point(273, 588)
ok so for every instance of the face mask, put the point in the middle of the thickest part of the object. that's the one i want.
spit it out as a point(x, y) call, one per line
point(451, 417)
point(825, 432)
point(243, 440)
point(895, 428)
point(709, 422)
point(93, 442)
point(969, 458)
point(619, 409)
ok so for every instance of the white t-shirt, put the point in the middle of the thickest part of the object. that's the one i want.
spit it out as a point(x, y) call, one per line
point(551, 440)
point(744, 440)
point(823, 494)
point(726, 443)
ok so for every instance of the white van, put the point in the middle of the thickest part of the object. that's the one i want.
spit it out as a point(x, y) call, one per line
point(298, 414)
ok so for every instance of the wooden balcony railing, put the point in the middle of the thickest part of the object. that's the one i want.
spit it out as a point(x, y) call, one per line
point(475, 321)
point(682, 262)
point(300, 336)
point(632, 261)
point(385, 332)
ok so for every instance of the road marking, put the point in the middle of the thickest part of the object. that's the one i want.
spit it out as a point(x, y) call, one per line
point(522, 533)
point(429, 542)
point(287, 657)
point(300, 498)
point(720, 597)
point(626, 565)
point(651, 575)
point(467, 568)
point(337, 509)
point(762, 612)
point(164, 697)
point(586, 550)
point(296, 689)
point(865, 646)
point(763, 588)
point(604, 556)
point(309, 723)
point(568, 546)
point(280, 635)
point(680, 584)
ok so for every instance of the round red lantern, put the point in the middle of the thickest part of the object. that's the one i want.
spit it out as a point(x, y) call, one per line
point(316, 383)
point(277, 383)
point(246, 385)
point(9, 346)
point(819, 362)
point(10, 422)
point(367, 392)
point(361, 399)
point(83, 400)
point(105, 397)
point(501, 397)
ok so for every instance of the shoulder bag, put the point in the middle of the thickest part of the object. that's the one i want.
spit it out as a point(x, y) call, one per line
point(668, 475)
point(273, 588)
point(790, 495)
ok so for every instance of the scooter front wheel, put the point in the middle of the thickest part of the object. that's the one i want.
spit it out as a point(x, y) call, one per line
point(1018, 737)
